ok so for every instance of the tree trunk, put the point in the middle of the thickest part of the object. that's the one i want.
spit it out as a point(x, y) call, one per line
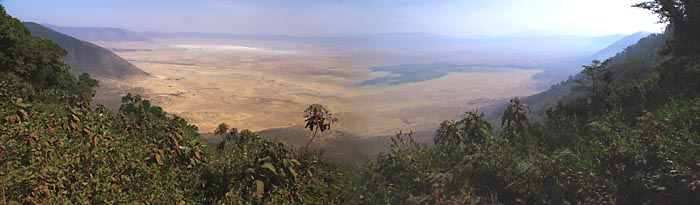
point(306, 147)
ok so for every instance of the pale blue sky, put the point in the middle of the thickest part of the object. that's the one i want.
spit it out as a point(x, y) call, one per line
point(345, 17)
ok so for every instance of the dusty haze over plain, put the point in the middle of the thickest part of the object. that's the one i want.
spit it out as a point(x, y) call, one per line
point(391, 65)
point(336, 17)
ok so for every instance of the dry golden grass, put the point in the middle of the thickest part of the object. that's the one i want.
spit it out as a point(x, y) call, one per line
point(267, 85)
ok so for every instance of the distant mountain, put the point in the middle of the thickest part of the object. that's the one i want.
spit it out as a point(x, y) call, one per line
point(570, 45)
point(552, 44)
point(557, 55)
point(619, 46)
point(406, 39)
point(607, 46)
point(546, 46)
point(255, 37)
point(633, 63)
point(99, 34)
point(84, 57)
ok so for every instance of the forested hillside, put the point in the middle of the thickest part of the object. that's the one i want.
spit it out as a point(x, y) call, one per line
point(629, 135)
point(623, 43)
point(634, 63)
point(57, 148)
point(84, 57)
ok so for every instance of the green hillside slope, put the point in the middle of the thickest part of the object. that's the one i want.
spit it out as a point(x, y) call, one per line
point(625, 131)
point(616, 47)
point(56, 148)
point(84, 57)
point(634, 63)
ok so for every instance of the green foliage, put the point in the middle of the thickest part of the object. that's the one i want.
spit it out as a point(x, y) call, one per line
point(682, 16)
point(630, 139)
point(514, 120)
point(412, 172)
point(594, 81)
point(652, 158)
point(628, 142)
point(56, 148)
point(682, 69)
point(34, 60)
point(59, 154)
point(258, 171)
point(473, 128)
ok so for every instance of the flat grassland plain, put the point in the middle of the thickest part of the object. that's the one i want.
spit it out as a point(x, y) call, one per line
point(259, 85)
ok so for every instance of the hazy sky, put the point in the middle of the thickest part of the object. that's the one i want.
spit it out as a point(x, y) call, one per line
point(345, 17)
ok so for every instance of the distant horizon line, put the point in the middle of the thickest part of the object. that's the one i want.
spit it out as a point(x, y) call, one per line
point(527, 33)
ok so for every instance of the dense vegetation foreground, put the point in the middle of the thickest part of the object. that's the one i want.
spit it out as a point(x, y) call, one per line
point(624, 140)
